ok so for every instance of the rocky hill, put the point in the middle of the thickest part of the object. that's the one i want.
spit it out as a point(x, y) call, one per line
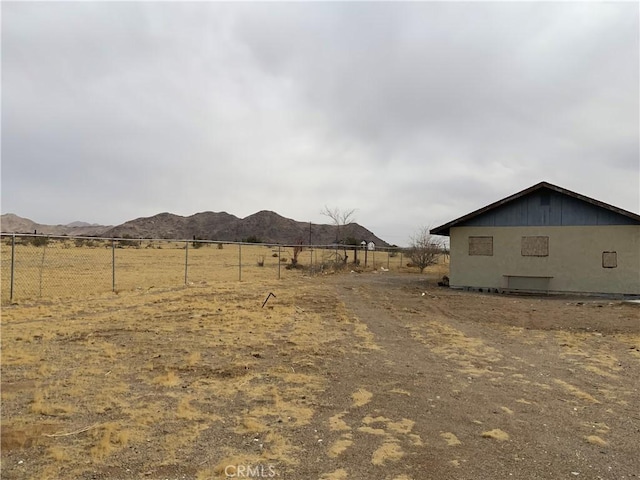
point(11, 223)
point(264, 226)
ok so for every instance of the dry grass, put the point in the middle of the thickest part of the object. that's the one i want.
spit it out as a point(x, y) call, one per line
point(451, 439)
point(596, 440)
point(389, 451)
point(361, 397)
point(372, 431)
point(340, 474)
point(575, 391)
point(176, 374)
point(336, 423)
point(496, 434)
point(339, 446)
point(403, 426)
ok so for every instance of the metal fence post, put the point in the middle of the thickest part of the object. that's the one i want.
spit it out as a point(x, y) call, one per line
point(279, 262)
point(186, 262)
point(113, 265)
point(239, 262)
point(42, 263)
point(388, 258)
point(13, 262)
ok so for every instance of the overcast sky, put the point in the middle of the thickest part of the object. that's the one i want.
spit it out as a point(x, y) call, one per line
point(411, 113)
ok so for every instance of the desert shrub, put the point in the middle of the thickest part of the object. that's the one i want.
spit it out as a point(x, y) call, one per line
point(325, 267)
point(351, 241)
point(129, 242)
point(261, 261)
point(39, 241)
point(252, 239)
point(220, 246)
point(87, 242)
point(424, 249)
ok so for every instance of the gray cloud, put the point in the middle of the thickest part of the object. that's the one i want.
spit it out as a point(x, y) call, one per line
point(413, 113)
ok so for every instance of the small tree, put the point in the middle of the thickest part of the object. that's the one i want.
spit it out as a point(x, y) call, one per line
point(297, 250)
point(340, 219)
point(424, 249)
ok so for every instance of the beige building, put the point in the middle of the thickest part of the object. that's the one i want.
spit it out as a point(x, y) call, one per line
point(546, 239)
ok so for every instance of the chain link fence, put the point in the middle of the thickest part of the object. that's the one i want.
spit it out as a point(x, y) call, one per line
point(40, 266)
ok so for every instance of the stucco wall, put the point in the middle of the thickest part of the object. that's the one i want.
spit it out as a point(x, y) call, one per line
point(574, 261)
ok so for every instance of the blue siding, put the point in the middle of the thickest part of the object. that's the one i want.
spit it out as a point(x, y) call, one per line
point(547, 208)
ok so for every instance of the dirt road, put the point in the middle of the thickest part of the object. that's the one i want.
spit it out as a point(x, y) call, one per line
point(473, 386)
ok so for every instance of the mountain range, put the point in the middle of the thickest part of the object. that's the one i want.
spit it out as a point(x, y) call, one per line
point(264, 226)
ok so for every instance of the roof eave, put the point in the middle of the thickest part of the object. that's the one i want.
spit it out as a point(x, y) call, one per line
point(445, 229)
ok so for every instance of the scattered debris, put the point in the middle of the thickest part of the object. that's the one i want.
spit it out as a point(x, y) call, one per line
point(75, 432)
point(267, 299)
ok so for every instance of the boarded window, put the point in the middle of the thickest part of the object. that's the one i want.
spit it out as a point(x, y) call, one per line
point(481, 246)
point(535, 246)
point(609, 259)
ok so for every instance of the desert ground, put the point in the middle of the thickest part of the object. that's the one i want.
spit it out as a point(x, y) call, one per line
point(370, 375)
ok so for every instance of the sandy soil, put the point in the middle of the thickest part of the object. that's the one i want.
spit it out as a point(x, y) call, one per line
point(355, 376)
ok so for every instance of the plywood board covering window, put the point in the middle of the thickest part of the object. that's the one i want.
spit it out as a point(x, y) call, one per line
point(609, 259)
point(481, 246)
point(535, 246)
